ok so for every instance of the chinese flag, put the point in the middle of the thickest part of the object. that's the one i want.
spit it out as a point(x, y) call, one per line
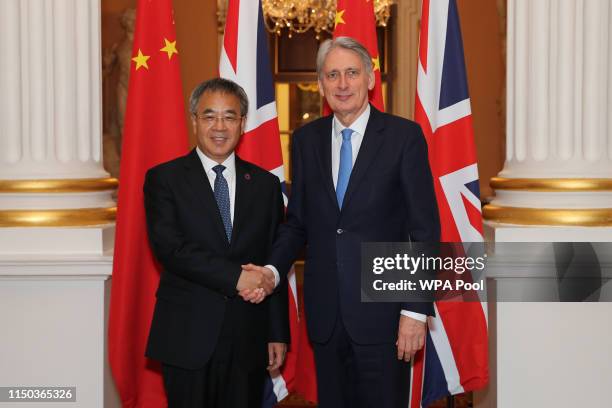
point(355, 18)
point(154, 132)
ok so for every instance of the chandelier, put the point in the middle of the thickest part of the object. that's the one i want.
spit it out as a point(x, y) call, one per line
point(299, 16)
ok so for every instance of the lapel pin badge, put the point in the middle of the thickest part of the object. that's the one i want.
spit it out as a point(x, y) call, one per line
point(247, 176)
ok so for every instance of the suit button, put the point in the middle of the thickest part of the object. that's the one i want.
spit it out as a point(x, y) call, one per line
point(339, 231)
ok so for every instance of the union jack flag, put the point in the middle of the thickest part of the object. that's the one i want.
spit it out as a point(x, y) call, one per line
point(455, 357)
point(245, 60)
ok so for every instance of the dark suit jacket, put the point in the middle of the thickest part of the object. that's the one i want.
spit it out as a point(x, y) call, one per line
point(390, 197)
point(197, 294)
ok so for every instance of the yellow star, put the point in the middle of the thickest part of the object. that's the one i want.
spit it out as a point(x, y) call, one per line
point(141, 60)
point(170, 48)
point(376, 63)
point(339, 19)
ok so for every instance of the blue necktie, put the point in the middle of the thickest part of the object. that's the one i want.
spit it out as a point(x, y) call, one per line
point(346, 165)
point(223, 200)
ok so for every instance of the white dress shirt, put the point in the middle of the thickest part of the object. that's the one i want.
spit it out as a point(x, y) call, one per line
point(358, 127)
point(229, 174)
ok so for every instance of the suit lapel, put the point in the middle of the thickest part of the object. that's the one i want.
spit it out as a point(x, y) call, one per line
point(242, 201)
point(196, 176)
point(372, 140)
point(323, 153)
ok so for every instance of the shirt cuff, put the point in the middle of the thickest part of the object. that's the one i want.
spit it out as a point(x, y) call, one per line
point(276, 274)
point(416, 316)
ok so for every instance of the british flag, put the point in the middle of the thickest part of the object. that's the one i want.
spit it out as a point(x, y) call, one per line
point(455, 357)
point(245, 60)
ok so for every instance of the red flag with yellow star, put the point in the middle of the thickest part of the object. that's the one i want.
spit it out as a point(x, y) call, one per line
point(355, 18)
point(154, 132)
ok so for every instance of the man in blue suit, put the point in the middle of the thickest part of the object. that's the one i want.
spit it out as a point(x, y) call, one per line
point(358, 176)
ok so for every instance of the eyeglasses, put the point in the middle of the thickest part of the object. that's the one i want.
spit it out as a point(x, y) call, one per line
point(210, 119)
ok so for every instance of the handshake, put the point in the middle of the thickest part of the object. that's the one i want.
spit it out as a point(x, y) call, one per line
point(255, 283)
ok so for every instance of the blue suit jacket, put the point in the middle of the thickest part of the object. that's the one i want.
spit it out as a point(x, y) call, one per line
point(390, 198)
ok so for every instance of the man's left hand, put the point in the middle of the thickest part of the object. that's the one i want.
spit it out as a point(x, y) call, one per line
point(410, 337)
point(276, 355)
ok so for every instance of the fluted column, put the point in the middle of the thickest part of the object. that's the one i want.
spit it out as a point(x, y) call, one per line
point(556, 186)
point(51, 171)
point(558, 168)
point(56, 206)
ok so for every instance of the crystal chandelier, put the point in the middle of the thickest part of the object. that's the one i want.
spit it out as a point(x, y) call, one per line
point(299, 16)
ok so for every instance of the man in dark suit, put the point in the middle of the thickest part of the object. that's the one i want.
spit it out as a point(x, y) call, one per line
point(208, 214)
point(357, 176)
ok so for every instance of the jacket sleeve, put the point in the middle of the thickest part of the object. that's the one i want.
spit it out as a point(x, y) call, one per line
point(173, 250)
point(291, 235)
point(418, 190)
point(278, 326)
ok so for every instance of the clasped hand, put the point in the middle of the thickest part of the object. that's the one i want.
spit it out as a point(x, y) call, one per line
point(255, 283)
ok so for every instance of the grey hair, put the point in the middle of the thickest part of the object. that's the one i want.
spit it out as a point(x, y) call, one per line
point(221, 85)
point(347, 43)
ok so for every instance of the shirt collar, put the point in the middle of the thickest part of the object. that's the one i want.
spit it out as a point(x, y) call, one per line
point(358, 126)
point(208, 163)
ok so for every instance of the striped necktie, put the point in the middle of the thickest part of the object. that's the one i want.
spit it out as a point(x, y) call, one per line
point(223, 200)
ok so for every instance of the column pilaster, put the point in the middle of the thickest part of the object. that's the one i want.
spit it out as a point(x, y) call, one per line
point(51, 169)
point(558, 168)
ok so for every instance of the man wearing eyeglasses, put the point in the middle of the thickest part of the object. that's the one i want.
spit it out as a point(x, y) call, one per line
point(208, 214)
